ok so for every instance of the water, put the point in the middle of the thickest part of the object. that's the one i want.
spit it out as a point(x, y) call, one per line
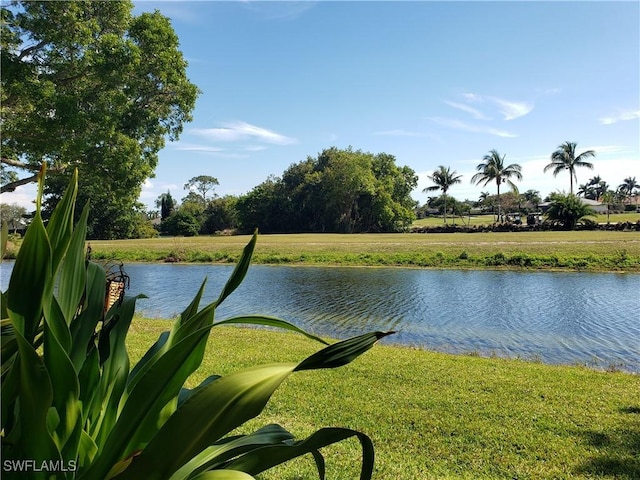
point(565, 318)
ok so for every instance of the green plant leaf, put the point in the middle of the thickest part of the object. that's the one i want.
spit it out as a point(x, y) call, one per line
point(223, 475)
point(83, 326)
point(73, 274)
point(229, 402)
point(231, 447)
point(156, 387)
point(341, 353)
point(268, 321)
point(29, 279)
point(66, 392)
point(240, 270)
point(60, 226)
point(35, 397)
point(261, 459)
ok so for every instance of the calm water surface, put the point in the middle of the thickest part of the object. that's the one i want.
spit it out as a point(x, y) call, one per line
point(567, 318)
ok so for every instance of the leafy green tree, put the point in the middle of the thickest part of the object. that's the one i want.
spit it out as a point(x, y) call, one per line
point(202, 184)
point(166, 204)
point(564, 158)
point(443, 178)
point(567, 210)
point(180, 223)
point(338, 191)
point(102, 89)
point(493, 169)
point(220, 215)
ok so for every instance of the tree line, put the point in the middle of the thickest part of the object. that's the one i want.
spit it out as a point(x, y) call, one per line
point(339, 190)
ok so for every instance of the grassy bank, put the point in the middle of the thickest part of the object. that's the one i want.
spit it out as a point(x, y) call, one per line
point(441, 416)
point(581, 250)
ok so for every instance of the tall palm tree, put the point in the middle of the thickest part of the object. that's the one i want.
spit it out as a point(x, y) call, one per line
point(493, 169)
point(443, 179)
point(564, 158)
point(627, 186)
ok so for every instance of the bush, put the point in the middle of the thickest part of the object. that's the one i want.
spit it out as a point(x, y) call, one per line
point(73, 407)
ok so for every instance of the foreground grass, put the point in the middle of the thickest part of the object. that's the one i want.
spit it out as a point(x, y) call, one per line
point(580, 250)
point(439, 416)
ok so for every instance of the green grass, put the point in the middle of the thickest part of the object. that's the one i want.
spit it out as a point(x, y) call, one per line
point(439, 416)
point(579, 250)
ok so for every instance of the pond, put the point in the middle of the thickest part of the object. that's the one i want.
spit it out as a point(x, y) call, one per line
point(567, 318)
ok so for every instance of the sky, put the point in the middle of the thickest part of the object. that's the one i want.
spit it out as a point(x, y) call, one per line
point(432, 83)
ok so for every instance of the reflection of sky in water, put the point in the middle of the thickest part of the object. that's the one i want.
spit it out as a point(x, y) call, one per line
point(556, 317)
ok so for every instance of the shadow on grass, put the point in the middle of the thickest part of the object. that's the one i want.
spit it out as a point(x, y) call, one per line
point(618, 451)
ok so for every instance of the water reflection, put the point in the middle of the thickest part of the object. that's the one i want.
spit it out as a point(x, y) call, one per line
point(556, 317)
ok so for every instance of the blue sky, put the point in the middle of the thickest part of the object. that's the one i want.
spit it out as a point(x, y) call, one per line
point(432, 83)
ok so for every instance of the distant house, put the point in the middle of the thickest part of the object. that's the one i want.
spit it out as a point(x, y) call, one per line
point(594, 204)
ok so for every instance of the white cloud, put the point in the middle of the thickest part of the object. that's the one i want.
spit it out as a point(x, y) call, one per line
point(195, 147)
point(512, 110)
point(241, 131)
point(620, 116)
point(477, 114)
point(459, 125)
point(24, 196)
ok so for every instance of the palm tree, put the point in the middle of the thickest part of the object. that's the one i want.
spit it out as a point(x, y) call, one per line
point(493, 169)
point(627, 186)
point(564, 158)
point(443, 179)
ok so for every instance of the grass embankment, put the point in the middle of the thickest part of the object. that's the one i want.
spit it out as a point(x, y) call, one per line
point(440, 416)
point(580, 250)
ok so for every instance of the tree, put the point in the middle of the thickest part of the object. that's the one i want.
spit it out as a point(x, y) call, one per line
point(166, 204)
point(533, 198)
point(627, 187)
point(89, 85)
point(564, 158)
point(180, 223)
point(493, 169)
point(443, 178)
point(202, 184)
point(567, 210)
point(337, 191)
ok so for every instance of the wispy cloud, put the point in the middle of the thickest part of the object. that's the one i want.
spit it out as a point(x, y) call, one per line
point(620, 116)
point(510, 110)
point(460, 125)
point(477, 114)
point(242, 131)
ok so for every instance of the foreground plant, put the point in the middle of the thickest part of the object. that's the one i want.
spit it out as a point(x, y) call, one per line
point(73, 408)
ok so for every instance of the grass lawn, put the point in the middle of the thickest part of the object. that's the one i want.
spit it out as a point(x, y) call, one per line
point(579, 250)
point(439, 416)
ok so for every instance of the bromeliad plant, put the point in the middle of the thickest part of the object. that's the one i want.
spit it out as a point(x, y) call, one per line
point(73, 408)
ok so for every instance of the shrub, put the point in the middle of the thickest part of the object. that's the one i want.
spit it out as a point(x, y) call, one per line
point(567, 210)
point(73, 407)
